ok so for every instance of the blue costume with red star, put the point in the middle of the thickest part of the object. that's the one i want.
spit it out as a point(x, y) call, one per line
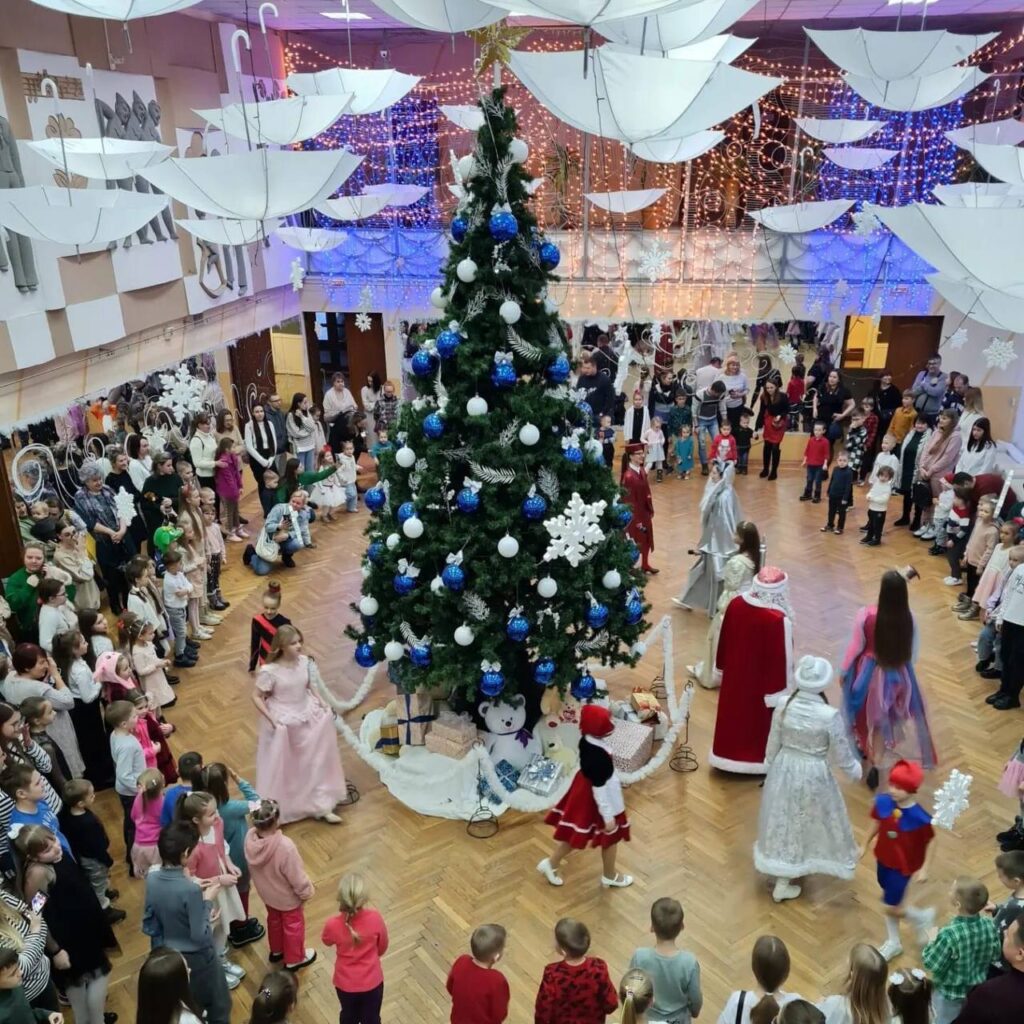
point(903, 837)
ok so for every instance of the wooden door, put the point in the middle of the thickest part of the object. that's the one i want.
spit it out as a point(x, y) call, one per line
point(365, 351)
point(912, 341)
point(252, 372)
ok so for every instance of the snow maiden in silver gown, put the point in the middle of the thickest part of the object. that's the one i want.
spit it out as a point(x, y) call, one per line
point(803, 827)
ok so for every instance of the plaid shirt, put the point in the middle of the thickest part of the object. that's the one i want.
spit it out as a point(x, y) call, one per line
point(97, 508)
point(960, 954)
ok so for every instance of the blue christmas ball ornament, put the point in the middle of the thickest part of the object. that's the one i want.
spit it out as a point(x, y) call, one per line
point(492, 683)
point(597, 616)
point(468, 500)
point(634, 611)
point(558, 370)
point(633, 551)
point(544, 671)
point(534, 507)
point(375, 552)
point(584, 687)
point(419, 655)
point(447, 342)
point(403, 584)
point(503, 226)
point(406, 511)
point(364, 655)
point(459, 228)
point(453, 577)
point(549, 256)
point(433, 426)
point(375, 499)
point(622, 515)
point(518, 628)
point(574, 454)
point(423, 364)
point(504, 376)
point(585, 411)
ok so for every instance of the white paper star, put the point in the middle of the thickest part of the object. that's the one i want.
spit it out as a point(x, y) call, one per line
point(576, 529)
point(1000, 353)
point(958, 338)
point(297, 275)
point(363, 321)
point(951, 800)
point(654, 261)
point(125, 506)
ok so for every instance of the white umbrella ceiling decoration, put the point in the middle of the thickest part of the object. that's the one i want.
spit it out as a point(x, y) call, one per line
point(395, 194)
point(895, 56)
point(635, 99)
point(468, 116)
point(914, 94)
point(980, 194)
point(837, 131)
point(279, 122)
point(1008, 132)
point(310, 239)
point(372, 89)
point(996, 309)
point(441, 15)
point(1003, 162)
point(228, 232)
point(352, 207)
point(100, 158)
point(797, 218)
point(627, 201)
point(116, 10)
point(682, 25)
point(724, 48)
point(678, 151)
point(581, 12)
point(859, 158)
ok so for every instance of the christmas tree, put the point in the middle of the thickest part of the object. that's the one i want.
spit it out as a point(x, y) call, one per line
point(497, 560)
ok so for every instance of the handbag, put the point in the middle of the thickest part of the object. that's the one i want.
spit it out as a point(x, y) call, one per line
point(267, 549)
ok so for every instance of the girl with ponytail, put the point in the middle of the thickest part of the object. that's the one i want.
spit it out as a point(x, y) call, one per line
point(636, 993)
point(770, 965)
point(277, 996)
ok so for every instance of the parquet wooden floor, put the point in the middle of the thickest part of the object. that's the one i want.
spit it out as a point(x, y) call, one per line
point(692, 833)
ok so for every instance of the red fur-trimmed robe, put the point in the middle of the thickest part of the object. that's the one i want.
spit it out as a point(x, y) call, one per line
point(638, 497)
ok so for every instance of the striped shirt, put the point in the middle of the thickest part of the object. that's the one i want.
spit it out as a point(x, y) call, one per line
point(32, 958)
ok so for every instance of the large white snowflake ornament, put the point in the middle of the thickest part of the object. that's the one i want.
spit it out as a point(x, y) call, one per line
point(156, 435)
point(1000, 353)
point(125, 506)
point(958, 339)
point(182, 393)
point(786, 354)
point(621, 337)
point(363, 321)
point(865, 223)
point(653, 262)
point(951, 800)
point(575, 530)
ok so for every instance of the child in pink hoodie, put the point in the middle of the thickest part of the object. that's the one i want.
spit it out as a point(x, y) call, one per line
point(280, 878)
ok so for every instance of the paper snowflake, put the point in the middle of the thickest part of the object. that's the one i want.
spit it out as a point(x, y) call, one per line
point(125, 506)
point(621, 337)
point(786, 355)
point(654, 261)
point(363, 321)
point(958, 339)
point(1000, 353)
point(156, 436)
point(865, 223)
point(951, 800)
point(182, 393)
point(576, 529)
point(297, 274)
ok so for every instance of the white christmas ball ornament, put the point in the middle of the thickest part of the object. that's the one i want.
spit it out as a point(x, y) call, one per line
point(368, 605)
point(436, 585)
point(611, 580)
point(476, 406)
point(550, 306)
point(365, 570)
point(466, 167)
point(466, 270)
point(547, 587)
point(464, 636)
point(639, 648)
point(413, 527)
point(518, 150)
point(529, 435)
point(437, 298)
point(508, 546)
point(509, 311)
point(594, 446)
point(393, 541)
point(405, 457)
point(393, 650)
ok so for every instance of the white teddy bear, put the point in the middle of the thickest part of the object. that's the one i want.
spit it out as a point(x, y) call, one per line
point(506, 736)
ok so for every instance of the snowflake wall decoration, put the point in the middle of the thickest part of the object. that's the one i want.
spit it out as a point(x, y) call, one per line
point(363, 321)
point(125, 506)
point(182, 393)
point(958, 339)
point(575, 530)
point(786, 355)
point(653, 262)
point(999, 354)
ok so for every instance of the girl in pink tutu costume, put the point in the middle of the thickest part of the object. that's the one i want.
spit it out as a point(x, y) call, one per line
point(297, 759)
point(880, 690)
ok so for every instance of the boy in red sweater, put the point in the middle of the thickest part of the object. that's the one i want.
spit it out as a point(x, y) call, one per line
point(724, 445)
point(816, 461)
point(577, 989)
point(480, 993)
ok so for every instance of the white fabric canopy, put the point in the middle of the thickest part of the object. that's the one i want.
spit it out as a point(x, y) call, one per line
point(677, 151)
point(859, 159)
point(632, 98)
point(680, 26)
point(976, 193)
point(581, 12)
point(723, 48)
point(627, 201)
point(838, 131)
point(917, 93)
point(441, 15)
point(80, 217)
point(116, 10)
point(997, 309)
point(352, 207)
point(395, 194)
point(279, 122)
point(310, 239)
point(976, 246)
point(105, 159)
point(259, 185)
point(1008, 132)
point(468, 116)
point(1003, 162)
point(372, 89)
point(895, 55)
point(228, 232)
point(799, 217)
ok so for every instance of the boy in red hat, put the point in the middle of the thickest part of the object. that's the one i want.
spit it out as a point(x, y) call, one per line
point(592, 812)
point(902, 839)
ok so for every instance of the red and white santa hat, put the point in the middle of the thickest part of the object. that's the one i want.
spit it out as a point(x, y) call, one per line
point(596, 721)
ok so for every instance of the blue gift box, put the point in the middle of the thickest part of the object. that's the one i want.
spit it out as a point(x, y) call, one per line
point(509, 777)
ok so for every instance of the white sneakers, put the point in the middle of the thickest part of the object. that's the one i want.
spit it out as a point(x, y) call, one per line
point(545, 868)
point(952, 581)
point(785, 890)
point(233, 974)
point(305, 962)
point(890, 950)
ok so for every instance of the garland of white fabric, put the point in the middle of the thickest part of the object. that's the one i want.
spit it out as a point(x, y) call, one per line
point(390, 768)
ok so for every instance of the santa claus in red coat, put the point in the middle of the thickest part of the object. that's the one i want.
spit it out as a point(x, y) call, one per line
point(755, 657)
point(638, 497)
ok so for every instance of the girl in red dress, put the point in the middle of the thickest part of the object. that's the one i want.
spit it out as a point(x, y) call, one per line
point(592, 812)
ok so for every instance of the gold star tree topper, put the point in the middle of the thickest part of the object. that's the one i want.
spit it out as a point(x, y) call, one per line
point(495, 43)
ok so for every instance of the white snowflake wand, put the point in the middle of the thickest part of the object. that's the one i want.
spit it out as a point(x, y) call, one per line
point(951, 799)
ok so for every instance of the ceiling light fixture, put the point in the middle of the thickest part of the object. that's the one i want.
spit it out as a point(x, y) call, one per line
point(345, 15)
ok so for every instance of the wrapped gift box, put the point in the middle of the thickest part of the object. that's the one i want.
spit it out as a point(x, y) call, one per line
point(541, 775)
point(645, 704)
point(439, 744)
point(509, 777)
point(388, 742)
point(415, 713)
point(450, 726)
point(630, 745)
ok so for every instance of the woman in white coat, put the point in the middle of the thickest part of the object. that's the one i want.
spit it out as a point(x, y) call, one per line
point(803, 827)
